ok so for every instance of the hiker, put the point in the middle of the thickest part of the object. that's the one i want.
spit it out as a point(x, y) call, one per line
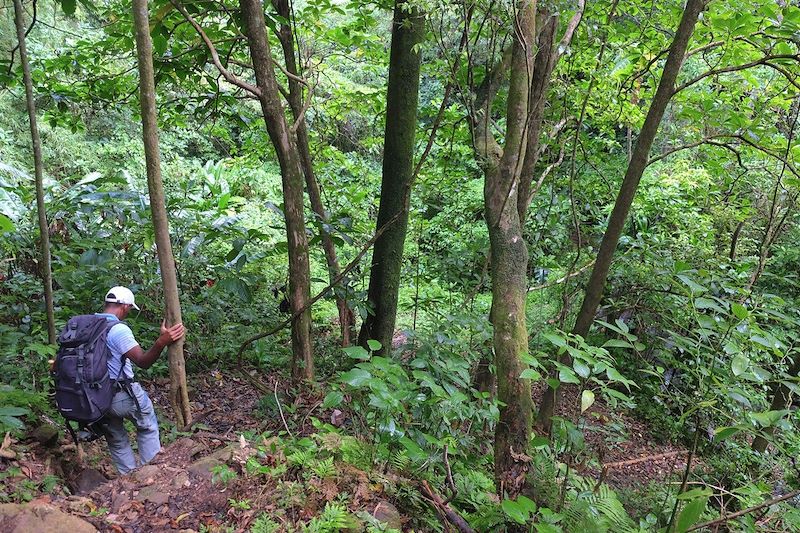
point(130, 400)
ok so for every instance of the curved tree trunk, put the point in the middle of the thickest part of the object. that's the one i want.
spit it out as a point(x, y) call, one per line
point(179, 395)
point(283, 139)
point(44, 229)
point(286, 37)
point(616, 222)
point(408, 28)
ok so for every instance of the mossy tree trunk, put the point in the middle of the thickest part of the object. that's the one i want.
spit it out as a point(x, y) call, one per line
point(179, 395)
point(287, 39)
point(408, 28)
point(509, 259)
point(283, 139)
point(627, 192)
point(509, 173)
point(44, 228)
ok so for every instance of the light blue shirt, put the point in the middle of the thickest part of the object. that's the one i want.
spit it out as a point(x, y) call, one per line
point(120, 340)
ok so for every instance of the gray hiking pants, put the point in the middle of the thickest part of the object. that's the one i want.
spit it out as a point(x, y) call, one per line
point(119, 445)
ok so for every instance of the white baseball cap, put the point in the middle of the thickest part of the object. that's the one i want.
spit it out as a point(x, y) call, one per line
point(121, 295)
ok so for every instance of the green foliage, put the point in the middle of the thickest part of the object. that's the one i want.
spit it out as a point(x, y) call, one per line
point(334, 518)
point(264, 524)
point(222, 474)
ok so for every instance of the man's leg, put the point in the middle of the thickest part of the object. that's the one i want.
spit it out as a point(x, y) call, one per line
point(118, 444)
point(146, 425)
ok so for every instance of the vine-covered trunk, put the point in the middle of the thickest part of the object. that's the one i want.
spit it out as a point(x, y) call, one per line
point(627, 192)
point(179, 394)
point(287, 39)
point(408, 28)
point(44, 228)
point(283, 140)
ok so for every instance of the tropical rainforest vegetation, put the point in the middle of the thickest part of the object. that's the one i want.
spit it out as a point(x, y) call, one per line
point(498, 258)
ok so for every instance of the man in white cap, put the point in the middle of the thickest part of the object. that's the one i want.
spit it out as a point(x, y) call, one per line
point(130, 400)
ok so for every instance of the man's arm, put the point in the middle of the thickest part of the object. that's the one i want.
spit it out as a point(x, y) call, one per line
point(146, 359)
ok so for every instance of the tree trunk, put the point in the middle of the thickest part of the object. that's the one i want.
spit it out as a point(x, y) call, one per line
point(545, 62)
point(780, 401)
point(44, 229)
point(408, 29)
point(509, 259)
point(179, 395)
point(292, 179)
point(616, 222)
point(286, 37)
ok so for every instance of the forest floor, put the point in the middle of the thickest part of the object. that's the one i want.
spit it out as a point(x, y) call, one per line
point(198, 482)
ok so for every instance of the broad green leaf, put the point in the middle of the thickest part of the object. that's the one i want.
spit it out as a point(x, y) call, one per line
point(413, 449)
point(617, 343)
point(6, 224)
point(691, 514)
point(527, 504)
point(587, 399)
point(11, 422)
point(739, 364)
point(695, 493)
point(739, 311)
point(557, 340)
point(768, 418)
point(581, 368)
point(356, 352)
point(515, 511)
point(68, 6)
point(332, 399)
point(696, 288)
point(374, 345)
point(13, 411)
point(355, 377)
point(530, 373)
point(567, 375)
point(723, 433)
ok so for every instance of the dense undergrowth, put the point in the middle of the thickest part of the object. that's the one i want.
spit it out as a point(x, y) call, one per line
point(685, 341)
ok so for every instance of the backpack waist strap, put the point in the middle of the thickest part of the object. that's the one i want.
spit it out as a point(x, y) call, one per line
point(125, 385)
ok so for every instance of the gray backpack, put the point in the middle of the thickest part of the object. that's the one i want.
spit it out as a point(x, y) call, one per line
point(84, 389)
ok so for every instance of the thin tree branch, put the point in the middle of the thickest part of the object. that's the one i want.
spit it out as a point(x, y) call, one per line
point(229, 77)
point(345, 271)
point(734, 68)
point(732, 516)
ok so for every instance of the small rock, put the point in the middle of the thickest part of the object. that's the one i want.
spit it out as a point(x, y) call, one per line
point(181, 480)
point(79, 504)
point(203, 467)
point(88, 480)
point(153, 495)
point(224, 454)
point(145, 474)
point(388, 513)
point(39, 518)
point(46, 435)
point(336, 418)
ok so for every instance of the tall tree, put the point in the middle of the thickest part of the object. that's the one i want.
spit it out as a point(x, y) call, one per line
point(509, 258)
point(44, 229)
point(402, 97)
point(509, 172)
point(287, 37)
point(627, 192)
point(283, 139)
point(179, 395)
